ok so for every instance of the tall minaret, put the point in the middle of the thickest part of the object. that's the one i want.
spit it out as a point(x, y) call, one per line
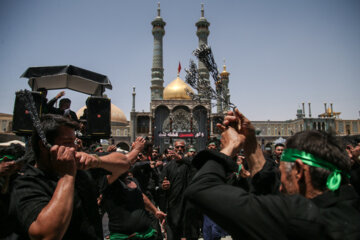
point(133, 117)
point(203, 33)
point(224, 76)
point(133, 100)
point(157, 70)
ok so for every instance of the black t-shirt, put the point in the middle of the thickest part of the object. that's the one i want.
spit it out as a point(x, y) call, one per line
point(147, 178)
point(32, 191)
point(125, 207)
point(355, 177)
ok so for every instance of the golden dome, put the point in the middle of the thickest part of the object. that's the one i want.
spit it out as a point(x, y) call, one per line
point(176, 90)
point(117, 115)
point(224, 73)
point(329, 111)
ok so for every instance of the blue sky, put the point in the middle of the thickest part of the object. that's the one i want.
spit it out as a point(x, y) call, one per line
point(279, 53)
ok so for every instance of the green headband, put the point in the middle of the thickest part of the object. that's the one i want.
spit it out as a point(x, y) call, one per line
point(333, 180)
point(11, 157)
point(192, 150)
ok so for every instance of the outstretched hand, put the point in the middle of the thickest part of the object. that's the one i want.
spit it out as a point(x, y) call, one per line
point(237, 122)
point(138, 144)
point(60, 94)
point(244, 128)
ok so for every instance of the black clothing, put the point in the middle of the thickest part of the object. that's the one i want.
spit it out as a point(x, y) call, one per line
point(178, 174)
point(264, 182)
point(66, 113)
point(47, 106)
point(125, 207)
point(182, 218)
point(332, 215)
point(148, 178)
point(32, 191)
point(7, 224)
point(355, 177)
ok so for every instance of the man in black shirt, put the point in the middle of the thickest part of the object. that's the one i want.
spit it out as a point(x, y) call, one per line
point(319, 204)
point(48, 106)
point(175, 177)
point(126, 206)
point(353, 149)
point(278, 150)
point(9, 168)
point(53, 199)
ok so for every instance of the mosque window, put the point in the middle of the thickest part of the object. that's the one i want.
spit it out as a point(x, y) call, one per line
point(348, 129)
point(142, 124)
point(125, 132)
point(341, 127)
point(355, 127)
point(263, 131)
point(117, 132)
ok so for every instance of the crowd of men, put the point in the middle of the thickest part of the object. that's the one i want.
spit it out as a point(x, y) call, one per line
point(305, 189)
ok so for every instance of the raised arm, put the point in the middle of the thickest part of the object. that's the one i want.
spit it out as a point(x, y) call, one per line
point(51, 103)
point(53, 220)
point(247, 138)
point(116, 163)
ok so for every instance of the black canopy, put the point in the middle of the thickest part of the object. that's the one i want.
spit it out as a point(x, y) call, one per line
point(70, 77)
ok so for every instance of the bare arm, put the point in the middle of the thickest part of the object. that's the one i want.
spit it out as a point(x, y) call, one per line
point(54, 219)
point(247, 139)
point(256, 161)
point(53, 101)
point(149, 206)
point(116, 163)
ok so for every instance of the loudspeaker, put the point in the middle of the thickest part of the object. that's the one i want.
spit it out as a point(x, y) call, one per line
point(98, 117)
point(22, 122)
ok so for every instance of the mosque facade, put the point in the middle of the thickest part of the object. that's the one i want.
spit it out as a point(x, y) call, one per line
point(269, 131)
point(173, 114)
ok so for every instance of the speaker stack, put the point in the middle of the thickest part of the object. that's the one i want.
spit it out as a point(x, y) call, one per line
point(98, 117)
point(22, 122)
